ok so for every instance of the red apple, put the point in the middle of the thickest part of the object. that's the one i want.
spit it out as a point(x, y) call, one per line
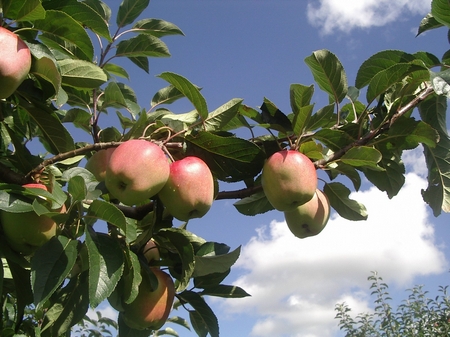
point(310, 218)
point(289, 179)
point(98, 163)
point(15, 62)
point(189, 191)
point(26, 232)
point(151, 308)
point(137, 170)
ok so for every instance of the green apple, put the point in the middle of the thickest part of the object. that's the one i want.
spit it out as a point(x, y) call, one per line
point(26, 232)
point(137, 170)
point(310, 218)
point(15, 62)
point(289, 179)
point(189, 191)
point(151, 308)
point(98, 163)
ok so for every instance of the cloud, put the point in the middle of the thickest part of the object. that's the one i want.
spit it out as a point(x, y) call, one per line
point(347, 15)
point(295, 284)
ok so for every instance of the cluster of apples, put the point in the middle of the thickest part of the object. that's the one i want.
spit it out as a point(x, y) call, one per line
point(289, 181)
point(138, 170)
point(15, 62)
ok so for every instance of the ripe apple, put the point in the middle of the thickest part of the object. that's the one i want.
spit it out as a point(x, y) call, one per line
point(189, 191)
point(98, 163)
point(26, 232)
point(310, 218)
point(15, 62)
point(289, 179)
point(137, 170)
point(150, 309)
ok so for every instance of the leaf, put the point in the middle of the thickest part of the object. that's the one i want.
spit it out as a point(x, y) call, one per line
point(301, 119)
point(334, 139)
point(46, 69)
point(105, 265)
point(362, 156)
point(300, 96)
point(255, 204)
point(204, 315)
point(437, 195)
point(338, 194)
point(378, 62)
point(230, 158)
point(114, 69)
point(210, 280)
point(225, 291)
point(129, 10)
point(428, 22)
point(329, 74)
point(157, 27)
point(166, 95)
point(219, 118)
point(189, 90)
point(441, 11)
point(50, 266)
point(29, 10)
point(205, 265)
point(60, 25)
point(322, 118)
point(77, 188)
point(113, 96)
point(271, 115)
point(108, 212)
point(81, 74)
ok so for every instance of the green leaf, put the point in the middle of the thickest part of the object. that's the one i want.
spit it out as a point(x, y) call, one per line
point(108, 212)
point(204, 315)
point(105, 265)
point(276, 119)
point(129, 10)
point(301, 119)
point(350, 209)
point(60, 25)
point(230, 158)
point(322, 118)
point(114, 69)
point(81, 74)
point(79, 117)
point(189, 90)
point(82, 13)
point(440, 10)
point(437, 195)
point(113, 96)
point(210, 280)
point(29, 10)
point(50, 266)
point(362, 156)
point(219, 118)
point(225, 291)
point(166, 95)
point(46, 69)
point(255, 204)
point(378, 62)
point(77, 188)
point(336, 168)
point(205, 265)
point(132, 278)
point(157, 27)
point(428, 22)
point(300, 96)
point(329, 74)
point(334, 139)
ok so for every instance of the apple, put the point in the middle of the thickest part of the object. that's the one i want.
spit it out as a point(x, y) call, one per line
point(151, 251)
point(15, 62)
point(137, 170)
point(98, 163)
point(289, 179)
point(26, 232)
point(189, 191)
point(310, 218)
point(151, 308)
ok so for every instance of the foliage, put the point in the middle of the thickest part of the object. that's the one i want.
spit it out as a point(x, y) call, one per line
point(362, 131)
point(418, 315)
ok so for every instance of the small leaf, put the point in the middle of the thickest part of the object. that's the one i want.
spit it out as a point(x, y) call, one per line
point(338, 194)
point(255, 204)
point(157, 27)
point(81, 74)
point(329, 74)
point(204, 314)
point(271, 115)
point(129, 10)
point(108, 212)
point(300, 96)
point(440, 11)
point(29, 10)
point(225, 291)
point(220, 117)
point(428, 22)
point(189, 90)
point(77, 188)
point(362, 156)
point(205, 265)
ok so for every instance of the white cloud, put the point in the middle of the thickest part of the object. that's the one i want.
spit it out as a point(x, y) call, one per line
point(295, 283)
point(346, 15)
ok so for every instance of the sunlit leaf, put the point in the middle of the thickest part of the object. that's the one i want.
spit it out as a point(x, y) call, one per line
point(129, 10)
point(157, 27)
point(350, 209)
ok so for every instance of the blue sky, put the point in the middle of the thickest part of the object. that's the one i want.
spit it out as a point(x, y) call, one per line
point(253, 49)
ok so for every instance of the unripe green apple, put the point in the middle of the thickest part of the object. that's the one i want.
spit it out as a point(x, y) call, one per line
point(310, 218)
point(289, 179)
point(189, 191)
point(137, 171)
point(98, 163)
point(15, 62)
point(26, 232)
point(150, 309)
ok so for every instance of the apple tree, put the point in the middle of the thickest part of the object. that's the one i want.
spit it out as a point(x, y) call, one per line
point(84, 222)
